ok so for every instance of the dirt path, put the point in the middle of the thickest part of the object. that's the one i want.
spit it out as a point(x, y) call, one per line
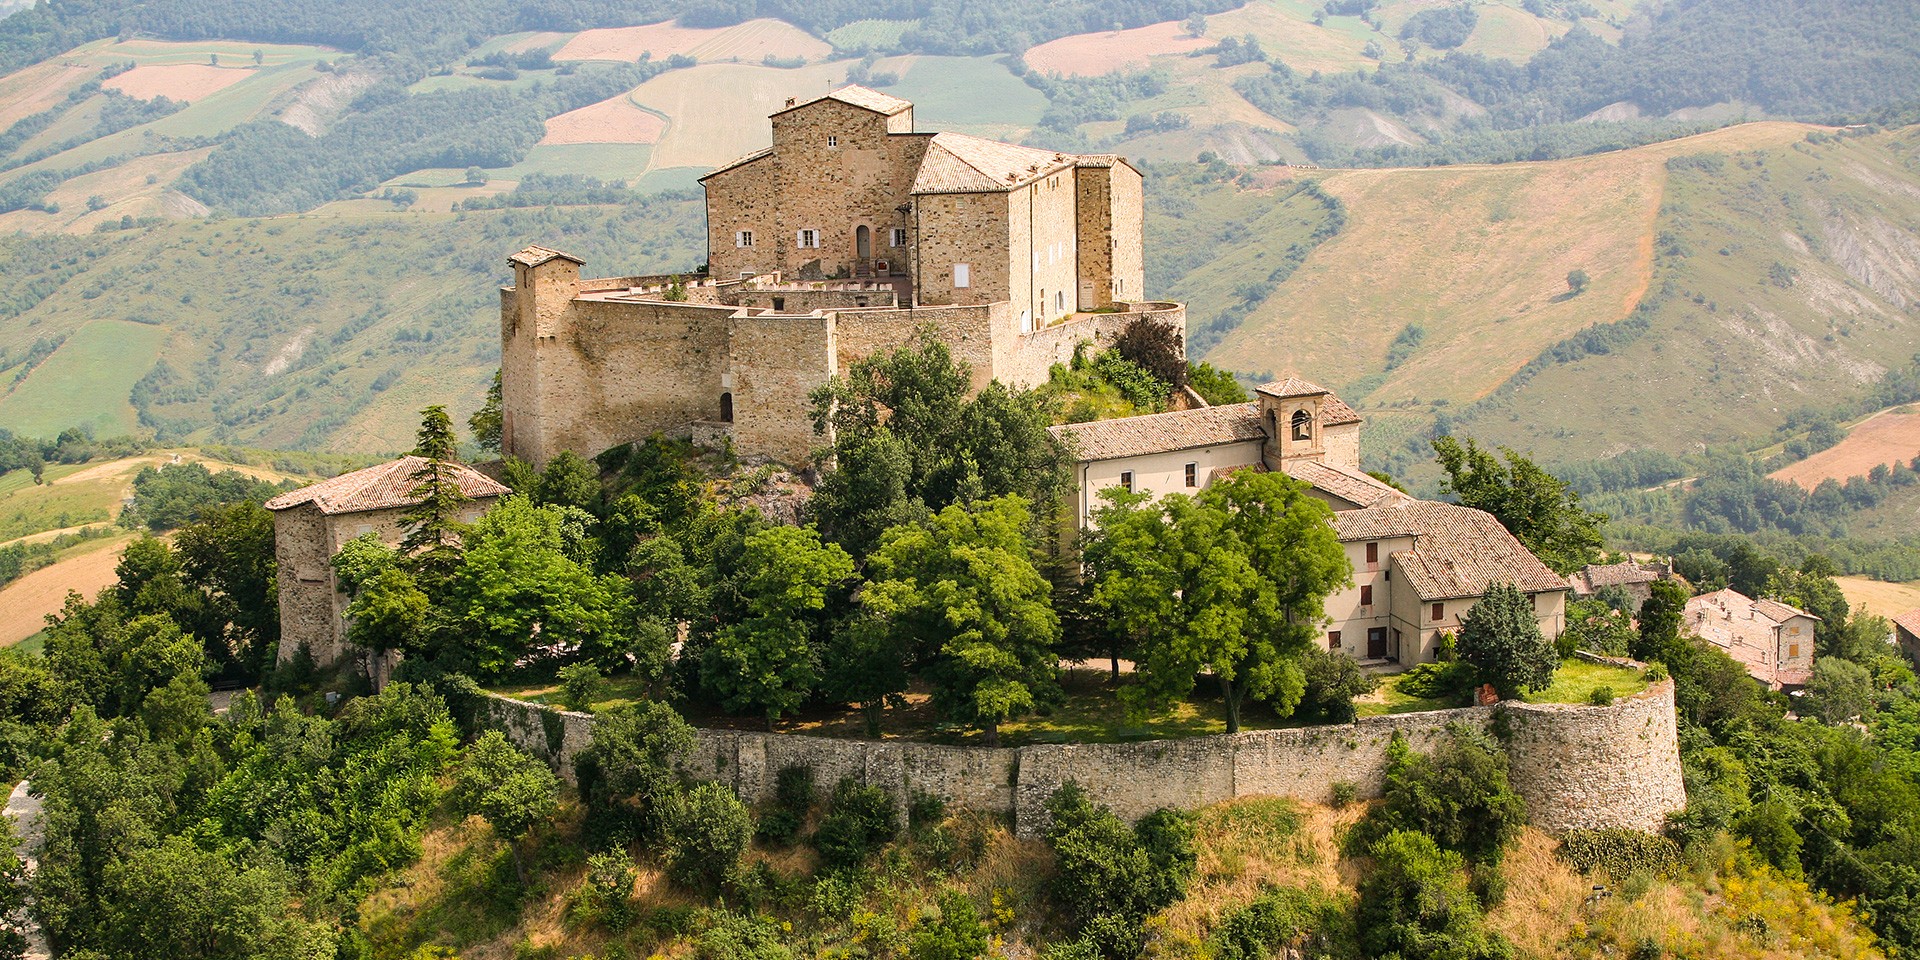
point(24, 808)
point(25, 603)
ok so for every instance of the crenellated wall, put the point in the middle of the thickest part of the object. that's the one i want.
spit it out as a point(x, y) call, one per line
point(1579, 767)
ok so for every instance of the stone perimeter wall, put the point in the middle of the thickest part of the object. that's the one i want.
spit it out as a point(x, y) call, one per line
point(1579, 767)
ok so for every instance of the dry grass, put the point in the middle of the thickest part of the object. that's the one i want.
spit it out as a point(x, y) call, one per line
point(1093, 54)
point(177, 81)
point(1543, 896)
point(1887, 437)
point(704, 106)
point(1251, 844)
point(1879, 596)
point(124, 186)
point(1478, 256)
point(749, 42)
point(26, 92)
point(615, 120)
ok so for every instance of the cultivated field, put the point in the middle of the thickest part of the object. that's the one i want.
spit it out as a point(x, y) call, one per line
point(975, 95)
point(24, 93)
point(86, 569)
point(615, 120)
point(125, 188)
point(1887, 437)
point(1092, 54)
point(716, 111)
point(748, 42)
point(85, 381)
point(868, 34)
point(1878, 596)
point(1476, 255)
point(177, 81)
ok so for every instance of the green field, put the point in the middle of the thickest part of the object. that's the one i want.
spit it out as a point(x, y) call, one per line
point(85, 382)
point(967, 94)
point(869, 34)
point(624, 162)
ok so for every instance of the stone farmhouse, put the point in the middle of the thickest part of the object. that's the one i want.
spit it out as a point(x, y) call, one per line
point(1631, 576)
point(1772, 640)
point(849, 235)
point(312, 523)
point(1418, 565)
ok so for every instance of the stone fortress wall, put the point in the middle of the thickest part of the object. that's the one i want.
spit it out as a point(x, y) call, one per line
point(1578, 767)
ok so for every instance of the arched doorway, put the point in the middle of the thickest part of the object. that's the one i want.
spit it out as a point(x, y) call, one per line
point(863, 242)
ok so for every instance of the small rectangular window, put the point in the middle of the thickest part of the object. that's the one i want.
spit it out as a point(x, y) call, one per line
point(807, 239)
point(1193, 474)
point(962, 275)
point(1333, 639)
point(1126, 480)
point(1439, 612)
point(743, 239)
point(1060, 301)
point(832, 141)
point(1373, 552)
point(1793, 650)
point(1366, 595)
point(899, 236)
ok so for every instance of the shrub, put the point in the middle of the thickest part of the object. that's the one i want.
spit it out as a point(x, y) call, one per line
point(1619, 853)
point(1345, 793)
point(953, 933)
point(580, 685)
point(860, 820)
point(1503, 642)
point(793, 792)
point(1415, 904)
point(704, 830)
point(610, 877)
point(733, 936)
point(1333, 681)
point(1601, 696)
point(1437, 681)
point(1111, 877)
point(1277, 919)
point(1459, 795)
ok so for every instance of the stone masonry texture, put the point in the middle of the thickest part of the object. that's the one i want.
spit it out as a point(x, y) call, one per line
point(1578, 767)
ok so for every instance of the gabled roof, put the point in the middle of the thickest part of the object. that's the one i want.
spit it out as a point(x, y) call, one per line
point(536, 255)
point(1350, 485)
point(382, 487)
point(856, 95)
point(957, 163)
point(1163, 432)
point(1334, 412)
point(1909, 621)
point(1779, 612)
point(1629, 572)
point(743, 161)
point(1457, 551)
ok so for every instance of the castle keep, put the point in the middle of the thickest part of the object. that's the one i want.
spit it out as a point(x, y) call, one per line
point(846, 237)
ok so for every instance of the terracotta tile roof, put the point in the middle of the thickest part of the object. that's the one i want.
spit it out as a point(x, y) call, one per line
point(1349, 485)
point(957, 163)
point(856, 95)
point(1457, 551)
point(1594, 576)
point(1748, 630)
point(381, 487)
point(1909, 621)
point(1292, 387)
point(536, 255)
point(1164, 432)
point(743, 161)
point(1334, 412)
point(1779, 612)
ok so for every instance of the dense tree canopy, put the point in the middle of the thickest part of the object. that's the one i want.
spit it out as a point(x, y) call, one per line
point(1536, 507)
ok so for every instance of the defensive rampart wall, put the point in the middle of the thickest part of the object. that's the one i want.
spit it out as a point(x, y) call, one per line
point(1578, 767)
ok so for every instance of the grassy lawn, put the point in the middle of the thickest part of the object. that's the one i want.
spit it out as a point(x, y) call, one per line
point(1576, 680)
point(85, 381)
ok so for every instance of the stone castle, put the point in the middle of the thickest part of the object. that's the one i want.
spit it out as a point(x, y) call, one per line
point(848, 236)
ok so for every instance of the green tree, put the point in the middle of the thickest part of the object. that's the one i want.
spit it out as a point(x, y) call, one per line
point(1594, 626)
point(14, 888)
point(509, 789)
point(1577, 281)
point(360, 560)
point(580, 685)
point(433, 522)
point(1333, 680)
point(177, 900)
point(391, 612)
point(228, 555)
point(770, 660)
point(1539, 509)
point(1415, 904)
point(1661, 616)
point(569, 480)
point(515, 586)
point(487, 422)
point(1501, 639)
point(705, 829)
point(1459, 795)
point(1107, 869)
point(1232, 581)
point(963, 591)
point(629, 764)
point(1840, 690)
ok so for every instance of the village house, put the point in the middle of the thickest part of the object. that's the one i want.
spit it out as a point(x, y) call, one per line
point(849, 235)
point(1629, 575)
point(1418, 565)
point(1772, 640)
point(1906, 632)
point(312, 523)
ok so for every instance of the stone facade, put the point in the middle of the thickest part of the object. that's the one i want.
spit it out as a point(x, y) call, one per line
point(1772, 640)
point(849, 235)
point(311, 524)
point(1578, 767)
